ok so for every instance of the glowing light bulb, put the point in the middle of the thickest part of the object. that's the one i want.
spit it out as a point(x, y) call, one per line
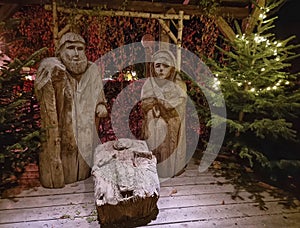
point(262, 16)
point(263, 69)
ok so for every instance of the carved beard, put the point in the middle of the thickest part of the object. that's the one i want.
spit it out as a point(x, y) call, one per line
point(76, 67)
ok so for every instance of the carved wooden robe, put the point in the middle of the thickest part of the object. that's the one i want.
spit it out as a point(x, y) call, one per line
point(68, 117)
point(165, 133)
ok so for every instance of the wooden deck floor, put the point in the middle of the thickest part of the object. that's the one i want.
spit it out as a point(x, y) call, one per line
point(192, 199)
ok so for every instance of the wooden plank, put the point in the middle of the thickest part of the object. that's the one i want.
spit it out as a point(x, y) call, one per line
point(212, 199)
point(163, 202)
point(47, 201)
point(45, 213)
point(193, 180)
point(78, 187)
point(193, 199)
point(23, 201)
point(281, 220)
point(80, 222)
point(165, 216)
point(218, 212)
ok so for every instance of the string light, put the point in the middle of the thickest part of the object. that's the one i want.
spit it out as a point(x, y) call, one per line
point(259, 39)
point(262, 16)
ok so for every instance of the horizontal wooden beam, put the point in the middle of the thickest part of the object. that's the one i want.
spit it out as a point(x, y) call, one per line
point(118, 13)
point(120, 2)
point(239, 11)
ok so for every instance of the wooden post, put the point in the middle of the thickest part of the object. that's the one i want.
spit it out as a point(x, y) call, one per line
point(163, 34)
point(55, 23)
point(179, 40)
point(147, 40)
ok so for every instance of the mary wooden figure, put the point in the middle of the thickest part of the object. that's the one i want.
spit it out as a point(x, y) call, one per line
point(163, 105)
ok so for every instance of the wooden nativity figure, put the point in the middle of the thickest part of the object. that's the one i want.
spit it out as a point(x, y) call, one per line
point(163, 105)
point(126, 183)
point(70, 92)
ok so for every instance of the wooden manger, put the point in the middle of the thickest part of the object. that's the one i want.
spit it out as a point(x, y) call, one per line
point(126, 183)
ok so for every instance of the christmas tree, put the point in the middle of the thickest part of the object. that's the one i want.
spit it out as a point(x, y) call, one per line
point(260, 94)
point(19, 118)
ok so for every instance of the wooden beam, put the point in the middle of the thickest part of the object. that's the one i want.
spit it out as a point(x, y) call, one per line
point(231, 10)
point(119, 2)
point(167, 29)
point(118, 13)
point(225, 28)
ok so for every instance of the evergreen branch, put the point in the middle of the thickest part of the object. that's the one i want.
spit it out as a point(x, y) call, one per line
point(275, 128)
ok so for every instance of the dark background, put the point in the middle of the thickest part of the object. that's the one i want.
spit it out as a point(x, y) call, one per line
point(288, 24)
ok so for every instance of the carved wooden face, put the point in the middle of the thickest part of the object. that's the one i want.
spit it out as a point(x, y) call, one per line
point(162, 68)
point(73, 56)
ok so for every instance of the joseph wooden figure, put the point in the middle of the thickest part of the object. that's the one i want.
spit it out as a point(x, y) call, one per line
point(163, 104)
point(70, 92)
